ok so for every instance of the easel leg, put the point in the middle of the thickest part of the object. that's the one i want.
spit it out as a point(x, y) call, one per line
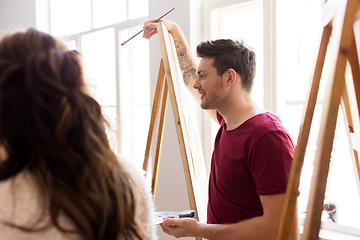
point(350, 119)
point(159, 140)
point(154, 113)
point(289, 208)
point(355, 88)
point(322, 161)
point(351, 106)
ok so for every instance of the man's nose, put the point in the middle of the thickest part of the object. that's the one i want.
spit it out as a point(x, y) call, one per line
point(196, 84)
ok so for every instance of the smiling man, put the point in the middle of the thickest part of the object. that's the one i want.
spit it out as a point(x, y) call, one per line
point(252, 151)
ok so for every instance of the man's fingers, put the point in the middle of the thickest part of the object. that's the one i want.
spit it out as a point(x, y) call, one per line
point(149, 30)
point(152, 33)
point(169, 222)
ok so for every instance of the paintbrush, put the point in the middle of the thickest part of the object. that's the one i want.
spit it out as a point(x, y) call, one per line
point(143, 30)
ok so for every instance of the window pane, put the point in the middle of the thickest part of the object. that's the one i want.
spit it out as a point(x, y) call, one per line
point(135, 11)
point(298, 34)
point(134, 95)
point(245, 22)
point(71, 45)
point(42, 15)
point(98, 49)
point(70, 17)
point(341, 185)
point(107, 12)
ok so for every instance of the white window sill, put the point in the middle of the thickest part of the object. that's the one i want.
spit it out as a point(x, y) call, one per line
point(333, 231)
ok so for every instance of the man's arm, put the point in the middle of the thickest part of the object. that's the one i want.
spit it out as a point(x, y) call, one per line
point(187, 61)
point(258, 228)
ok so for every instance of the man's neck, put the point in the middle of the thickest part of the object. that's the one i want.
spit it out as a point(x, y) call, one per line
point(237, 114)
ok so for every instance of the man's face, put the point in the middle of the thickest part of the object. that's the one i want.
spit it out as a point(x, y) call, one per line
point(209, 85)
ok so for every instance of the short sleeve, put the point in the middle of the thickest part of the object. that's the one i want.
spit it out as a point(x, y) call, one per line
point(270, 162)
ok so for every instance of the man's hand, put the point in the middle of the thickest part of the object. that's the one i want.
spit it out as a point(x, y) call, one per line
point(180, 227)
point(150, 27)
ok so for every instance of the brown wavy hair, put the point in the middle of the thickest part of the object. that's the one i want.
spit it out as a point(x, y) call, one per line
point(51, 127)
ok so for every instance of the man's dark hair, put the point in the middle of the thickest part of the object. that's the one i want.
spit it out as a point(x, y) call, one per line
point(233, 54)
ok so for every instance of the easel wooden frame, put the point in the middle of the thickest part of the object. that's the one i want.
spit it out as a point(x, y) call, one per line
point(160, 90)
point(195, 178)
point(339, 26)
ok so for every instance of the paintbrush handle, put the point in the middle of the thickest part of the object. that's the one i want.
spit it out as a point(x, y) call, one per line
point(143, 30)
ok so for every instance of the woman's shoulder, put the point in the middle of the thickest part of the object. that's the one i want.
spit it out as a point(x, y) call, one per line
point(22, 204)
point(144, 208)
point(19, 194)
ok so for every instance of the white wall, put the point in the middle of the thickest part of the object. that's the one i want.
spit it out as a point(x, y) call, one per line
point(16, 15)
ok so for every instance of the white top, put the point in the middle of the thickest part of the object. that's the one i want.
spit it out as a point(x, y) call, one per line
point(20, 204)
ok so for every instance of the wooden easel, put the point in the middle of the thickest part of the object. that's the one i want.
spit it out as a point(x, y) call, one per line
point(190, 149)
point(339, 26)
point(160, 89)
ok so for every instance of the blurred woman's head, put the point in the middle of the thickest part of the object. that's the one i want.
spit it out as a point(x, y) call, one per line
point(51, 127)
point(41, 84)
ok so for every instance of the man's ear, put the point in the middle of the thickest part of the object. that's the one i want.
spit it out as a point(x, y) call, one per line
point(231, 76)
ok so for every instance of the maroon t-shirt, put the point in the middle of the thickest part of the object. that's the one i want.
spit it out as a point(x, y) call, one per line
point(253, 159)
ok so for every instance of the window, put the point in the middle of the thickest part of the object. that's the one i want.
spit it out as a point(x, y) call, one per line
point(134, 95)
point(97, 28)
point(285, 36)
point(63, 14)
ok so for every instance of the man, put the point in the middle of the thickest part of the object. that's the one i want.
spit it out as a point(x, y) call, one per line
point(252, 152)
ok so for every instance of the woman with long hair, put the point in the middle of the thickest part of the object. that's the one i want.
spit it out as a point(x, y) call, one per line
point(59, 178)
